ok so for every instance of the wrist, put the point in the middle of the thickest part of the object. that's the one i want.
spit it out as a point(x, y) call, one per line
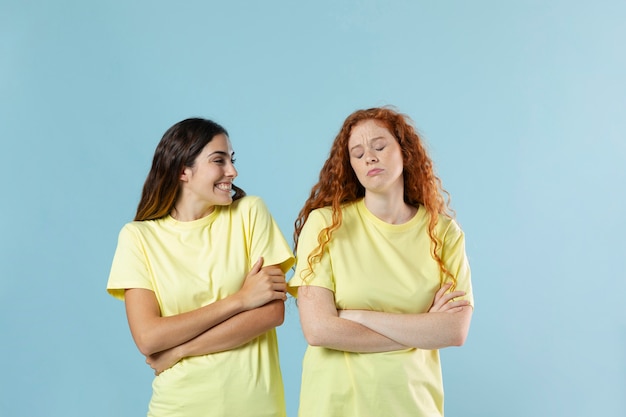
point(238, 304)
point(180, 352)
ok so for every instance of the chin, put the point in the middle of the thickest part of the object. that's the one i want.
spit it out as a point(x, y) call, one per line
point(226, 202)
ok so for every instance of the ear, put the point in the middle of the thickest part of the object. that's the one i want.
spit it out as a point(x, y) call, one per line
point(185, 174)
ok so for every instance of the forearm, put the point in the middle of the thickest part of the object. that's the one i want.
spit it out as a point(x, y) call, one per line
point(153, 333)
point(422, 331)
point(236, 331)
point(346, 335)
point(323, 327)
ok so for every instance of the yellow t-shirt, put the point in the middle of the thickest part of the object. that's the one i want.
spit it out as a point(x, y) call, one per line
point(373, 265)
point(189, 265)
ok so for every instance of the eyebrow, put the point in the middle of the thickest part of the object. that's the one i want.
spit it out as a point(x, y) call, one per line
point(220, 153)
point(369, 141)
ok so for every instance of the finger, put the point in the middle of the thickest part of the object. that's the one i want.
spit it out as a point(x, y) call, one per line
point(457, 303)
point(451, 296)
point(440, 295)
point(455, 310)
point(273, 271)
point(278, 295)
point(257, 266)
point(448, 301)
point(441, 292)
point(454, 306)
point(455, 294)
point(272, 268)
point(278, 279)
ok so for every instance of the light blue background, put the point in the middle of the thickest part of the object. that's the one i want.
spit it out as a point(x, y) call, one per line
point(523, 105)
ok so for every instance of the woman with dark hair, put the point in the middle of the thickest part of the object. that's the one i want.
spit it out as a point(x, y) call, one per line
point(382, 277)
point(202, 273)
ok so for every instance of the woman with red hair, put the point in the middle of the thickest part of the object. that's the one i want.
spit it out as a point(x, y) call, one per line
point(382, 278)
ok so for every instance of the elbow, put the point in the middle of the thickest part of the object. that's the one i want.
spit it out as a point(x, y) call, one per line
point(313, 340)
point(146, 349)
point(459, 339)
point(461, 328)
point(459, 336)
point(314, 335)
point(146, 344)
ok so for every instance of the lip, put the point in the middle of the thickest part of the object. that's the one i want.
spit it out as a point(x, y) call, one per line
point(374, 171)
point(221, 184)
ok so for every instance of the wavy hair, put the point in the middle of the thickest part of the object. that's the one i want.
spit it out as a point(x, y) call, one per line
point(178, 149)
point(338, 184)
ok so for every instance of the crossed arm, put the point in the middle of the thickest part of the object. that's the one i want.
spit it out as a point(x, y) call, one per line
point(225, 324)
point(445, 324)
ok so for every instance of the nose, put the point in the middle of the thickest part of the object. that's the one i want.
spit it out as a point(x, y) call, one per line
point(370, 157)
point(231, 171)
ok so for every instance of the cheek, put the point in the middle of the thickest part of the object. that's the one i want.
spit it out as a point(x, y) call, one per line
point(355, 168)
point(399, 160)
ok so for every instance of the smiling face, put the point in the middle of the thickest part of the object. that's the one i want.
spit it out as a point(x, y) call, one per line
point(376, 158)
point(208, 182)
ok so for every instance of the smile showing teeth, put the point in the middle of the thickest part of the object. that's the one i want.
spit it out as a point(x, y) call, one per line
point(224, 186)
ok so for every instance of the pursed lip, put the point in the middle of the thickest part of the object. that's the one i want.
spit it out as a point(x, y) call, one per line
point(374, 171)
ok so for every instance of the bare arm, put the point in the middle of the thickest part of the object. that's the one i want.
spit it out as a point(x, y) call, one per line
point(322, 325)
point(230, 334)
point(153, 333)
point(446, 323)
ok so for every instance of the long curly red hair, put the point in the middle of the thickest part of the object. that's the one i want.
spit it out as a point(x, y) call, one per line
point(338, 184)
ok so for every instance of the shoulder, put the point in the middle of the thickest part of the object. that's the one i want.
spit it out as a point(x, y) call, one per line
point(246, 203)
point(144, 225)
point(322, 215)
point(448, 227)
point(246, 206)
point(135, 228)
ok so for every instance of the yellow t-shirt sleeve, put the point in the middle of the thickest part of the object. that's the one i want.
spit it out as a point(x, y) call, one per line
point(455, 259)
point(321, 275)
point(266, 239)
point(129, 268)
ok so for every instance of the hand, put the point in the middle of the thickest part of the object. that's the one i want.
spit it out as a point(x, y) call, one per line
point(164, 360)
point(262, 285)
point(446, 303)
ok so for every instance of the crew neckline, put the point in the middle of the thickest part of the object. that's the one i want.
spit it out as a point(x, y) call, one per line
point(193, 223)
point(362, 208)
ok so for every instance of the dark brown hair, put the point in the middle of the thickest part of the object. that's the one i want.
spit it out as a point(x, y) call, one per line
point(178, 149)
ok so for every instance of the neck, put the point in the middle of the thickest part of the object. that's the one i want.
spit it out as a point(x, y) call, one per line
point(184, 213)
point(390, 210)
